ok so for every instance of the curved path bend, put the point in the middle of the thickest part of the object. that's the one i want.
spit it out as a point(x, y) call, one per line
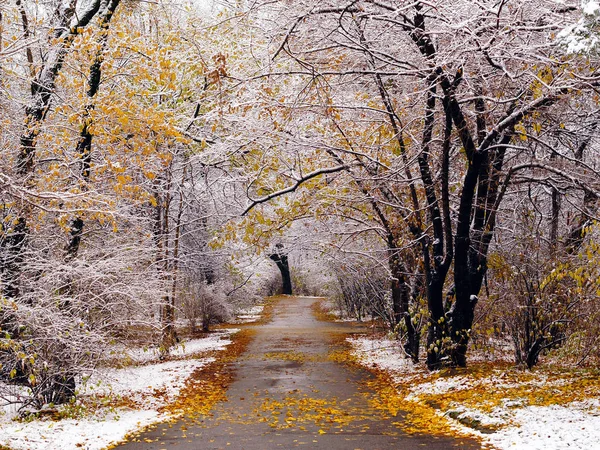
point(289, 392)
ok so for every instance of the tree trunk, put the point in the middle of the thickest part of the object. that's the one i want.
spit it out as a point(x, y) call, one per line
point(206, 323)
point(11, 245)
point(437, 331)
point(554, 222)
point(282, 264)
point(401, 305)
point(84, 143)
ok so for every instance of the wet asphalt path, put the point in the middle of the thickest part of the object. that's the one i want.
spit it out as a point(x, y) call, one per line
point(289, 392)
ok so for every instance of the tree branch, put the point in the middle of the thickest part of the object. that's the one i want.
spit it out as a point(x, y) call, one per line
point(299, 182)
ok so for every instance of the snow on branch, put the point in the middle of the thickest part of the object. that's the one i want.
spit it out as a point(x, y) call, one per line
point(292, 188)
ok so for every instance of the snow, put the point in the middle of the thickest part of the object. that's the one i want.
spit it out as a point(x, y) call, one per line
point(341, 319)
point(590, 7)
point(136, 355)
point(216, 341)
point(513, 425)
point(88, 434)
point(248, 315)
point(142, 355)
point(148, 387)
point(441, 386)
point(139, 383)
point(580, 37)
point(384, 353)
point(332, 309)
point(460, 413)
point(551, 427)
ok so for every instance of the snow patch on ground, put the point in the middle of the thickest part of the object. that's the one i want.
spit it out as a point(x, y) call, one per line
point(442, 385)
point(150, 386)
point(514, 425)
point(387, 355)
point(467, 415)
point(574, 426)
point(135, 356)
point(341, 318)
point(248, 315)
point(332, 309)
point(214, 342)
point(88, 434)
point(143, 355)
point(496, 382)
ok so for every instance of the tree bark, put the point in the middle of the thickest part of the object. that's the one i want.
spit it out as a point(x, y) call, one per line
point(84, 143)
point(401, 304)
point(12, 244)
point(281, 260)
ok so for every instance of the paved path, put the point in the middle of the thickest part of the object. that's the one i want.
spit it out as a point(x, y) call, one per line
point(288, 392)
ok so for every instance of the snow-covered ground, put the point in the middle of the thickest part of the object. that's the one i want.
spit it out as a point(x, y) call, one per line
point(384, 353)
point(251, 314)
point(332, 309)
point(143, 355)
point(146, 388)
point(512, 425)
point(575, 426)
point(88, 434)
point(215, 341)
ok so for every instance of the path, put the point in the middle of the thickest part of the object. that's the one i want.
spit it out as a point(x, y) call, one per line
point(288, 392)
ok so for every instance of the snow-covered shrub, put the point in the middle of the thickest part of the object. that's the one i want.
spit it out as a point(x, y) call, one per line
point(365, 291)
point(584, 35)
point(207, 303)
point(68, 312)
point(545, 302)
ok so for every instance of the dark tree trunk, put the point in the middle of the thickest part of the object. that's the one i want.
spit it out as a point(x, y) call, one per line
point(436, 268)
point(76, 233)
point(281, 260)
point(11, 245)
point(590, 201)
point(437, 331)
point(84, 144)
point(206, 323)
point(401, 306)
point(169, 334)
point(209, 274)
point(576, 235)
point(57, 390)
point(533, 354)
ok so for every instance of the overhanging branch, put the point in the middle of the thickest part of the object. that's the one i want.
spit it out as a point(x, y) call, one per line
point(299, 182)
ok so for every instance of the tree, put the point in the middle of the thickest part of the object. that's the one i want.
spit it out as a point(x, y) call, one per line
point(66, 23)
point(103, 182)
point(460, 120)
point(281, 259)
